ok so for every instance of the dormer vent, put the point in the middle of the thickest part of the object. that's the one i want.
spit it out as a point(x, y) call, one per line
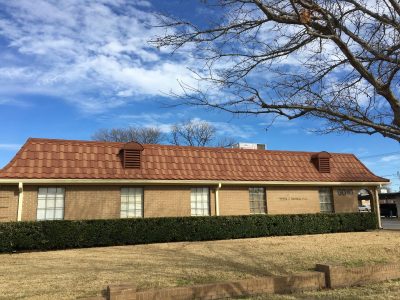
point(131, 155)
point(322, 162)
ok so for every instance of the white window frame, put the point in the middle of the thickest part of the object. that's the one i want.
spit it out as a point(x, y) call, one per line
point(200, 201)
point(326, 200)
point(131, 202)
point(257, 201)
point(50, 204)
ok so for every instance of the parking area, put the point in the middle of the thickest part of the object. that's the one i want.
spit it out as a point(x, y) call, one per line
point(391, 223)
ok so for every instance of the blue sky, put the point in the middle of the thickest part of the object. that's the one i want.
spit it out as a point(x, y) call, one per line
point(70, 67)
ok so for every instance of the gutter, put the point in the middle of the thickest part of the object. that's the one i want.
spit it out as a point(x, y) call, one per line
point(187, 182)
point(20, 200)
point(217, 198)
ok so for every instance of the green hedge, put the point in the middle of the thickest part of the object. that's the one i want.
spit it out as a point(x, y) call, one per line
point(48, 235)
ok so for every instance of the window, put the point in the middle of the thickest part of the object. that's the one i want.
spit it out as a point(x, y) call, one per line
point(325, 200)
point(131, 202)
point(50, 204)
point(257, 200)
point(200, 202)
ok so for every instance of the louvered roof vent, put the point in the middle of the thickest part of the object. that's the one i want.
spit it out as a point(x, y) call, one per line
point(322, 161)
point(131, 155)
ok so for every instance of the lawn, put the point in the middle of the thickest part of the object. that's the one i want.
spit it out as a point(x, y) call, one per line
point(85, 272)
point(385, 291)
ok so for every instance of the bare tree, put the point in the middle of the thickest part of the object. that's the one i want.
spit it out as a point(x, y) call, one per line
point(226, 142)
point(143, 135)
point(336, 60)
point(192, 133)
point(197, 133)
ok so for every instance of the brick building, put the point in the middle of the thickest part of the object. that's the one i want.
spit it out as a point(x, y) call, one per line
point(63, 179)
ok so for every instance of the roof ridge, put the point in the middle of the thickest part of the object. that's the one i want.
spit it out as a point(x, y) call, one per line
point(72, 141)
point(240, 149)
point(198, 148)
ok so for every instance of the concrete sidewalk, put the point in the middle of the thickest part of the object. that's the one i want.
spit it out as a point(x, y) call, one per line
point(391, 223)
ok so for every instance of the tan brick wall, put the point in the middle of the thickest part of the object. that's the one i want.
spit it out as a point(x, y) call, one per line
point(212, 201)
point(296, 200)
point(8, 203)
point(167, 201)
point(92, 202)
point(345, 199)
point(30, 203)
point(103, 202)
point(234, 201)
point(81, 202)
point(171, 201)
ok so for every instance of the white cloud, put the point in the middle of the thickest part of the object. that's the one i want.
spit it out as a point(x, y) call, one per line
point(163, 121)
point(12, 147)
point(74, 48)
point(143, 3)
point(230, 130)
point(390, 158)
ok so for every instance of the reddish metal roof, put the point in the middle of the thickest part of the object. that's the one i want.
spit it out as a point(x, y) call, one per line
point(67, 159)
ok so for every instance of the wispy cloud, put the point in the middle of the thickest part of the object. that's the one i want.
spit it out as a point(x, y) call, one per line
point(391, 158)
point(10, 147)
point(285, 126)
point(92, 53)
point(279, 122)
point(164, 122)
point(14, 102)
point(233, 130)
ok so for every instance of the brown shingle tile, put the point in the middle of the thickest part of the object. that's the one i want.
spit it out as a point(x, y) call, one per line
point(45, 158)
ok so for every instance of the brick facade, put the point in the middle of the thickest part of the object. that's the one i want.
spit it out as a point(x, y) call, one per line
point(166, 201)
point(30, 203)
point(8, 203)
point(290, 200)
point(104, 202)
point(92, 202)
point(345, 200)
point(234, 201)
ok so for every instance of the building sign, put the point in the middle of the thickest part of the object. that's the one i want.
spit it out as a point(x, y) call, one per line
point(293, 197)
point(345, 192)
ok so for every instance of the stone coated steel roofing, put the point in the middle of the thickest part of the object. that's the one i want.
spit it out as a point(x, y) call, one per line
point(68, 159)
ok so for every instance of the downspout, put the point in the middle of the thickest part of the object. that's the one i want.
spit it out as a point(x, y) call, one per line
point(217, 199)
point(20, 200)
point(378, 209)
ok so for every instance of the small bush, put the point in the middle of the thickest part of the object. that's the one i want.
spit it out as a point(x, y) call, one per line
point(49, 235)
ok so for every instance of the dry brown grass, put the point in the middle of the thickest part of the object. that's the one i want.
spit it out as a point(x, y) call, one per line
point(85, 272)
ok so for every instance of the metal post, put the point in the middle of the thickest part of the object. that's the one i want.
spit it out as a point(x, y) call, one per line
point(378, 209)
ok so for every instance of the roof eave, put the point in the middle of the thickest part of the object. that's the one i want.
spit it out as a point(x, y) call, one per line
point(186, 182)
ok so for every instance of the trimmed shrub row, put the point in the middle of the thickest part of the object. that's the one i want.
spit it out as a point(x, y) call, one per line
point(49, 235)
